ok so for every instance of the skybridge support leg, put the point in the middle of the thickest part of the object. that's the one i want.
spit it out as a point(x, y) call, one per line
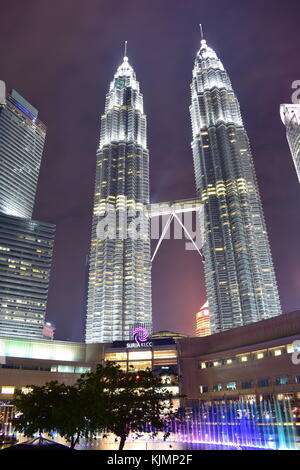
point(188, 234)
point(162, 235)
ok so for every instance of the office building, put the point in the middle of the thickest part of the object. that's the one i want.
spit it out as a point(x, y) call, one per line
point(25, 245)
point(22, 138)
point(253, 361)
point(203, 322)
point(26, 248)
point(119, 293)
point(239, 273)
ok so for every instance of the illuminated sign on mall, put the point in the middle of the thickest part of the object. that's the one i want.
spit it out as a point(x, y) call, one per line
point(140, 335)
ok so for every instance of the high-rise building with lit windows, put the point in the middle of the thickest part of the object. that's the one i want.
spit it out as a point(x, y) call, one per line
point(239, 273)
point(25, 262)
point(22, 138)
point(25, 245)
point(203, 322)
point(119, 292)
point(290, 115)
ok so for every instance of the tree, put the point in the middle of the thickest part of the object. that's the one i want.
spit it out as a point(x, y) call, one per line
point(33, 410)
point(107, 399)
point(134, 401)
point(53, 407)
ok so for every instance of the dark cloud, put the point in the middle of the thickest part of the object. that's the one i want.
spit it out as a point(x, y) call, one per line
point(61, 57)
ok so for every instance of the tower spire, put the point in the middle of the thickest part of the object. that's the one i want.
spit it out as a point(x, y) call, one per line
point(203, 42)
point(125, 49)
point(201, 31)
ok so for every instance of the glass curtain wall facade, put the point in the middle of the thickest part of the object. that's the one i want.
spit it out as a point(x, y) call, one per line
point(25, 261)
point(22, 138)
point(239, 273)
point(25, 245)
point(290, 115)
point(119, 293)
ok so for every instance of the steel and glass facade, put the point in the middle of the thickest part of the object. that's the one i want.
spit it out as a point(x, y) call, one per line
point(290, 115)
point(26, 246)
point(25, 261)
point(22, 137)
point(239, 273)
point(119, 293)
point(203, 322)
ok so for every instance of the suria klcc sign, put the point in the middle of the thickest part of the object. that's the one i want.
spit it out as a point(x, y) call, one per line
point(140, 335)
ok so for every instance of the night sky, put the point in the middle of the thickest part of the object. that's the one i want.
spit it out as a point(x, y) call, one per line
point(61, 56)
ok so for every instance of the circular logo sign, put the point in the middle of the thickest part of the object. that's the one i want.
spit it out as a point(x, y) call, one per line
point(140, 335)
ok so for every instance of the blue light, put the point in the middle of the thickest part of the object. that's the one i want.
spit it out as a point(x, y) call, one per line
point(25, 111)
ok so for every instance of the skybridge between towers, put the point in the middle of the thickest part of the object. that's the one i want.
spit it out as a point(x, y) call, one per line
point(173, 210)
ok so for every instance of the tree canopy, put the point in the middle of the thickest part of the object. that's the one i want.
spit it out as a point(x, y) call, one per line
point(105, 400)
point(53, 407)
point(134, 401)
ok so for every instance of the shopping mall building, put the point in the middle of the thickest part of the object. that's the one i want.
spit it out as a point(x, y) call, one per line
point(261, 359)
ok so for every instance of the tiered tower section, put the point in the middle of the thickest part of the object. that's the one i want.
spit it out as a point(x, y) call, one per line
point(239, 272)
point(119, 296)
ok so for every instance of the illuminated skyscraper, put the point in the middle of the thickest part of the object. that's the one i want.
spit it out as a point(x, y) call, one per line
point(239, 273)
point(26, 246)
point(119, 293)
point(290, 115)
point(22, 138)
point(49, 330)
point(203, 322)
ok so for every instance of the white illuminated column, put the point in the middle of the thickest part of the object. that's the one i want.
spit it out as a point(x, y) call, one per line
point(239, 273)
point(119, 294)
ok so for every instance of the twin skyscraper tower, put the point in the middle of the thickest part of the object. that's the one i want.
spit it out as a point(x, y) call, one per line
point(239, 273)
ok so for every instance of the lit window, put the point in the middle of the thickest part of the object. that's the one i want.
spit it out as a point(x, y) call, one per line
point(231, 386)
point(165, 354)
point(229, 361)
point(117, 356)
point(244, 359)
point(278, 352)
point(260, 356)
point(66, 369)
point(282, 381)
point(139, 365)
point(217, 388)
point(203, 365)
point(82, 370)
point(8, 390)
point(296, 346)
point(139, 355)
